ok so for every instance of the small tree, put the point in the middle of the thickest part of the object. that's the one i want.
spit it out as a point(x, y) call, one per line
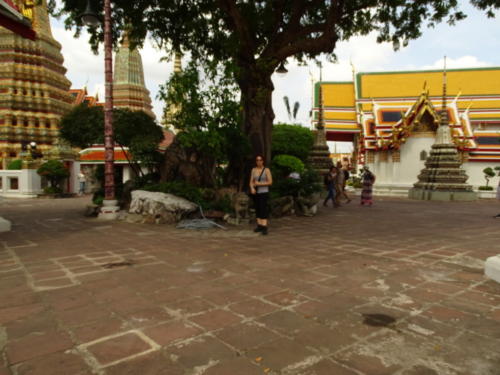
point(292, 140)
point(55, 172)
point(488, 174)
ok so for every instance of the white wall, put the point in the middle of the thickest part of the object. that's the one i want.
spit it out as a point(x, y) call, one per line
point(476, 176)
point(403, 174)
point(397, 177)
point(28, 182)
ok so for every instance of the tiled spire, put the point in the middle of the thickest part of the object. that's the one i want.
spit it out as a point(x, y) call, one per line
point(129, 90)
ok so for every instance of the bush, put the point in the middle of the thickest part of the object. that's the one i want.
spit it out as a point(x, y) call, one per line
point(98, 196)
point(486, 188)
point(286, 164)
point(179, 188)
point(308, 184)
point(52, 190)
point(203, 197)
point(292, 140)
point(15, 164)
point(55, 172)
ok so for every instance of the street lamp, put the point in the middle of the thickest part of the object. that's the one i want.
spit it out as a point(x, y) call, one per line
point(91, 19)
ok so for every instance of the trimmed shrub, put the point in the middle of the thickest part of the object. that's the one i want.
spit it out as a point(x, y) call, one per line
point(55, 172)
point(486, 188)
point(286, 164)
point(15, 164)
point(292, 140)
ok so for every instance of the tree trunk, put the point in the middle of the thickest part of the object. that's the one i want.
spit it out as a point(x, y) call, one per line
point(258, 115)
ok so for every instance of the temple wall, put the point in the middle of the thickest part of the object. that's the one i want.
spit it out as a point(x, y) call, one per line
point(396, 177)
point(476, 176)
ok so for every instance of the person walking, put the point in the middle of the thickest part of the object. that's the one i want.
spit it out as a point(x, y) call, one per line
point(330, 184)
point(498, 197)
point(260, 180)
point(341, 183)
point(367, 191)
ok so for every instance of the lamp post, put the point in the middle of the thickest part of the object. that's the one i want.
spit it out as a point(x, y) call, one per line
point(91, 19)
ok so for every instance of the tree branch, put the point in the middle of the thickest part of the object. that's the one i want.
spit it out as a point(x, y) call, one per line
point(297, 42)
point(238, 24)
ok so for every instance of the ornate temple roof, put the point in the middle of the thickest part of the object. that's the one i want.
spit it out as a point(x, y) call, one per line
point(386, 108)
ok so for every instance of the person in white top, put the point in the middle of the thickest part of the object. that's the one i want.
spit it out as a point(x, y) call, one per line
point(82, 179)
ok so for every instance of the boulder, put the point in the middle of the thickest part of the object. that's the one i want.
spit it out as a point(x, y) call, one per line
point(5, 225)
point(281, 206)
point(307, 206)
point(160, 208)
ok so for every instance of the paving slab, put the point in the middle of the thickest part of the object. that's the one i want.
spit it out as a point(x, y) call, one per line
point(398, 288)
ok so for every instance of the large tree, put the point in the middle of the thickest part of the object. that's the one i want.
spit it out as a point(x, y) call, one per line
point(254, 37)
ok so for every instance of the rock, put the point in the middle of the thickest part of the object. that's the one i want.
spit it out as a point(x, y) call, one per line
point(307, 206)
point(5, 225)
point(92, 210)
point(158, 207)
point(492, 268)
point(281, 206)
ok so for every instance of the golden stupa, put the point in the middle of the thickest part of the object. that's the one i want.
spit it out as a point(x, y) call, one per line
point(34, 91)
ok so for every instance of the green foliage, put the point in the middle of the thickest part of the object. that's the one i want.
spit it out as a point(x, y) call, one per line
point(488, 174)
point(308, 184)
point(236, 29)
point(15, 164)
point(208, 115)
point(251, 38)
point(55, 172)
point(179, 188)
point(286, 164)
point(203, 197)
point(83, 127)
point(52, 190)
point(98, 196)
point(486, 188)
point(292, 140)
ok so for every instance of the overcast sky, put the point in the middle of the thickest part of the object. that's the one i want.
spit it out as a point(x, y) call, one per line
point(474, 42)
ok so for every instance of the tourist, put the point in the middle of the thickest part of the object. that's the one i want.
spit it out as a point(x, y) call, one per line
point(498, 196)
point(82, 179)
point(368, 181)
point(342, 177)
point(330, 184)
point(260, 180)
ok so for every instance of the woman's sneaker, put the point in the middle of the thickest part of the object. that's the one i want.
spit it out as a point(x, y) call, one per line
point(264, 231)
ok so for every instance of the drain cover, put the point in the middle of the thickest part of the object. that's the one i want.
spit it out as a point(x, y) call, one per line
point(126, 263)
point(378, 320)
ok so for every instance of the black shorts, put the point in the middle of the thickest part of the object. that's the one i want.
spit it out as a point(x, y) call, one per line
point(261, 209)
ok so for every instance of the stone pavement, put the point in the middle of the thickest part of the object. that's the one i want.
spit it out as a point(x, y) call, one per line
point(393, 289)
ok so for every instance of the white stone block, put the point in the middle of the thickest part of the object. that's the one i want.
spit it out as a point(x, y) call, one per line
point(5, 225)
point(492, 268)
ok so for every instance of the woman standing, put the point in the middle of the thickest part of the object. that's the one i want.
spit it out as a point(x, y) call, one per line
point(367, 192)
point(260, 180)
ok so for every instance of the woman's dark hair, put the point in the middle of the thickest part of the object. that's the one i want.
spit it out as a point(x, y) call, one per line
point(332, 168)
